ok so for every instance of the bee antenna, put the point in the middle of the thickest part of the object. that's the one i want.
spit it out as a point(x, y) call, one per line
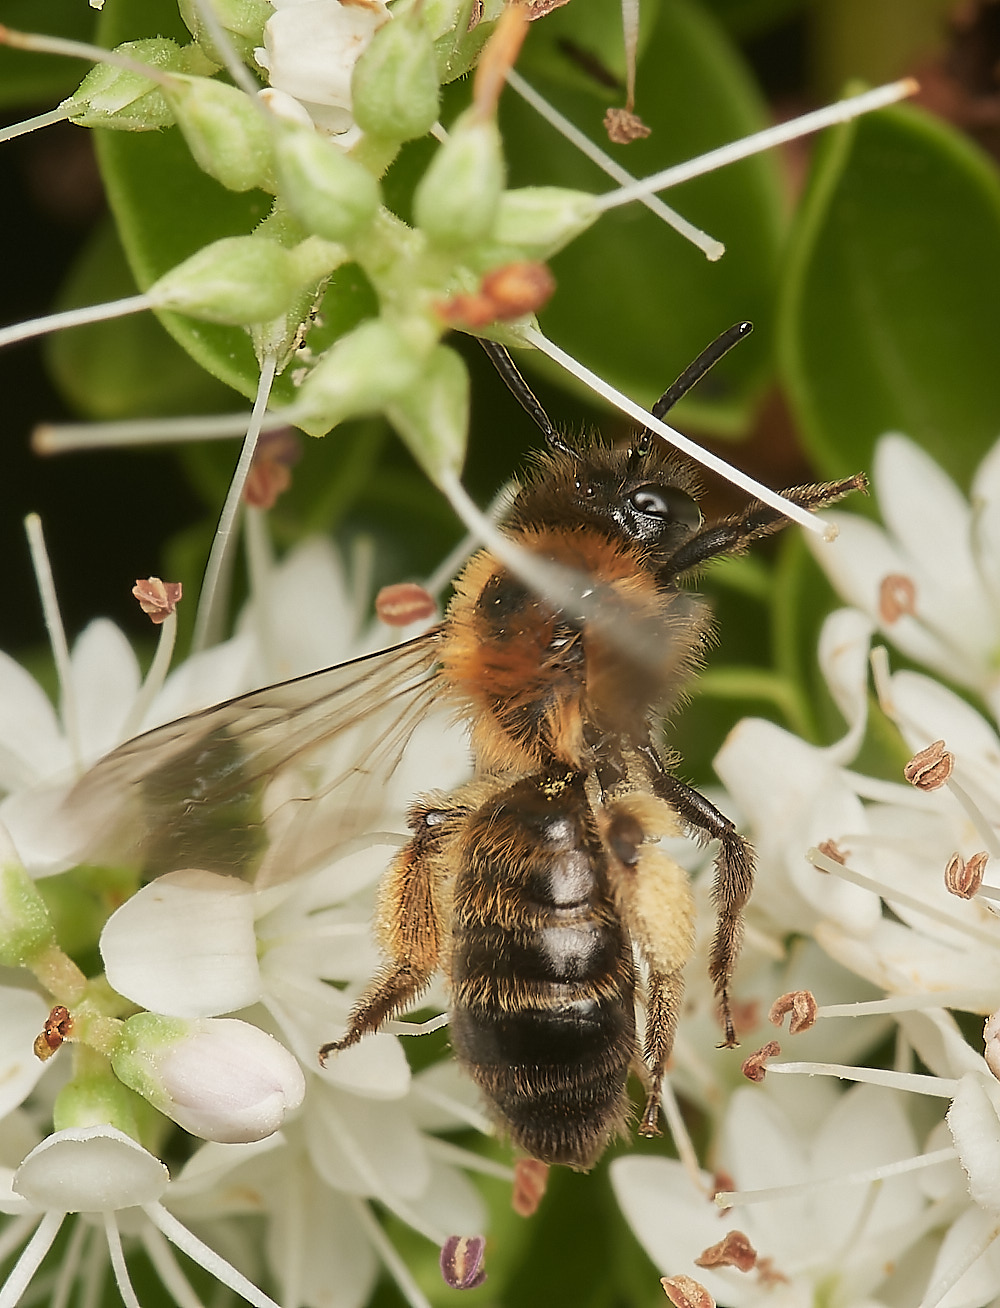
point(524, 395)
point(694, 372)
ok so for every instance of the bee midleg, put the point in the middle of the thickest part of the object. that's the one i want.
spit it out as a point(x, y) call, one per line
point(407, 926)
point(734, 869)
point(654, 897)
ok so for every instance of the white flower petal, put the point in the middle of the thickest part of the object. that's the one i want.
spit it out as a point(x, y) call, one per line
point(22, 1015)
point(93, 1170)
point(980, 1284)
point(31, 741)
point(105, 678)
point(975, 1128)
point(312, 48)
point(986, 522)
point(366, 1146)
point(844, 645)
point(184, 945)
point(204, 679)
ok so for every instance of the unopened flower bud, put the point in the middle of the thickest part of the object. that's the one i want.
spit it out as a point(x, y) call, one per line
point(225, 131)
point(462, 1261)
point(395, 83)
point(432, 415)
point(330, 194)
point(456, 200)
point(26, 929)
point(360, 373)
point(95, 1169)
point(242, 20)
point(240, 279)
point(218, 1078)
point(535, 222)
point(110, 96)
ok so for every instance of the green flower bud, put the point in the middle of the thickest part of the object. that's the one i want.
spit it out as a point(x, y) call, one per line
point(97, 1098)
point(225, 131)
point(116, 97)
point(242, 20)
point(240, 279)
point(432, 415)
point(360, 373)
point(26, 930)
point(535, 222)
point(456, 200)
point(394, 87)
point(330, 194)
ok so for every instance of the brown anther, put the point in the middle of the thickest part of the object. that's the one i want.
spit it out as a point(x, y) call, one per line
point(897, 598)
point(462, 1261)
point(768, 1274)
point(832, 850)
point(623, 126)
point(58, 1027)
point(930, 768)
point(498, 58)
point(539, 8)
point(963, 878)
point(686, 1292)
point(735, 1250)
point(157, 598)
point(755, 1067)
point(802, 1006)
point(530, 1179)
point(505, 293)
point(270, 472)
point(722, 1183)
point(405, 602)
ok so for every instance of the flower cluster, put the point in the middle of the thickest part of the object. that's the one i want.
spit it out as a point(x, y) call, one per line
point(863, 1197)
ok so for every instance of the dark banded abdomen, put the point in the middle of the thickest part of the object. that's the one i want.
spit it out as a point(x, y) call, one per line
point(542, 975)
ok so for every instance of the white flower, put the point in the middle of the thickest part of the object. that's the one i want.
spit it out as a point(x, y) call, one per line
point(310, 49)
point(839, 1243)
point(931, 578)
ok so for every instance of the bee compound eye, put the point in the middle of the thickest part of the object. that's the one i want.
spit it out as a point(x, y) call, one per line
point(666, 502)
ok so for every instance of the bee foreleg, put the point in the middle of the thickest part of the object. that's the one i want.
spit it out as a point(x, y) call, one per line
point(734, 869)
point(653, 896)
point(408, 929)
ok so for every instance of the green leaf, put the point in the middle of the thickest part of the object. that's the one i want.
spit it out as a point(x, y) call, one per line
point(126, 366)
point(891, 298)
point(27, 78)
point(635, 301)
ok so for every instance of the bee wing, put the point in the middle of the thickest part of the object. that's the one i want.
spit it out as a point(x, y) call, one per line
point(263, 786)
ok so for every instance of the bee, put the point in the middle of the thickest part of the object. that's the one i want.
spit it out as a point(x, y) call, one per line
point(540, 889)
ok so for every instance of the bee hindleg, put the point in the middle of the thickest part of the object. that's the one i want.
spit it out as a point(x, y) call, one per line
point(408, 928)
point(653, 895)
point(734, 869)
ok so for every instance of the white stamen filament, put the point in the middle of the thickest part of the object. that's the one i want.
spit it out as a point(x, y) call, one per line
point(394, 1265)
point(916, 1003)
point(744, 1198)
point(155, 677)
point(938, 1087)
point(33, 124)
point(167, 1267)
point(260, 570)
point(976, 816)
point(432, 1024)
point(456, 1156)
point(686, 1151)
point(449, 566)
point(30, 1260)
point(57, 636)
point(65, 438)
point(69, 1265)
point(826, 864)
point(53, 322)
point(710, 247)
point(694, 451)
point(122, 1279)
point(208, 621)
point(630, 36)
point(94, 1273)
point(841, 112)
point(973, 1250)
point(206, 1257)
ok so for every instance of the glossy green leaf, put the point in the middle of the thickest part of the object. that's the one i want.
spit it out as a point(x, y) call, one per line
point(635, 301)
point(891, 301)
point(42, 80)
